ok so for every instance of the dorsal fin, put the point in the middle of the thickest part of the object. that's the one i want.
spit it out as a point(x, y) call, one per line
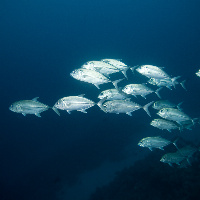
point(81, 95)
point(35, 99)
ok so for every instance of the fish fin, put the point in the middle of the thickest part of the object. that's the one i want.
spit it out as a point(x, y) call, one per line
point(81, 95)
point(69, 111)
point(97, 86)
point(124, 72)
point(24, 114)
point(146, 108)
point(37, 114)
point(142, 96)
point(170, 164)
point(116, 82)
point(179, 106)
point(174, 143)
point(169, 87)
point(100, 104)
point(150, 148)
point(189, 161)
point(35, 99)
point(129, 113)
point(161, 148)
point(169, 130)
point(55, 110)
point(157, 92)
point(83, 111)
point(183, 85)
point(133, 68)
point(174, 80)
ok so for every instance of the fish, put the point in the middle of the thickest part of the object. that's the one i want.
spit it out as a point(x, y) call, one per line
point(174, 115)
point(122, 106)
point(173, 158)
point(70, 103)
point(139, 89)
point(198, 73)
point(151, 71)
point(164, 124)
point(188, 124)
point(29, 107)
point(154, 142)
point(158, 105)
point(118, 64)
point(112, 94)
point(167, 82)
point(90, 76)
point(104, 68)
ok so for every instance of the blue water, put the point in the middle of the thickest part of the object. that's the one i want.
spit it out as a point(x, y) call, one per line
point(42, 42)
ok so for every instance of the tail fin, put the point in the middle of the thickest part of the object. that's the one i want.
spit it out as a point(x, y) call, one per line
point(100, 104)
point(116, 82)
point(174, 81)
point(146, 108)
point(183, 85)
point(179, 105)
point(157, 92)
point(133, 68)
point(56, 110)
point(124, 72)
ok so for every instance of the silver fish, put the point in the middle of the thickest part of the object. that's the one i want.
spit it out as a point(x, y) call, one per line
point(173, 158)
point(112, 94)
point(29, 107)
point(118, 64)
point(90, 76)
point(122, 106)
point(151, 71)
point(167, 82)
point(101, 67)
point(164, 124)
point(174, 115)
point(139, 89)
point(154, 142)
point(158, 105)
point(71, 103)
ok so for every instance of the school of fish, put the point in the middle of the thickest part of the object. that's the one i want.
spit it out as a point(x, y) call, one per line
point(122, 100)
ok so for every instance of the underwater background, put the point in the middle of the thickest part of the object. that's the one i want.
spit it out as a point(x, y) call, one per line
point(93, 156)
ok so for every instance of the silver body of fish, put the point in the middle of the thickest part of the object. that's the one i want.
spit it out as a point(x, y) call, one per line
point(118, 64)
point(101, 67)
point(112, 94)
point(154, 142)
point(174, 115)
point(29, 107)
point(122, 106)
point(71, 103)
point(89, 76)
point(173, 158)
point(151, 71)
point(164, 124)
point(158, 105)
point(139, 89)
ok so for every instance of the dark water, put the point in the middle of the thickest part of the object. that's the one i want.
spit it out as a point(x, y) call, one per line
point(42, 42)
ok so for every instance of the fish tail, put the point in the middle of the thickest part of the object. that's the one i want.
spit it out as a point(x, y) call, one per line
point(174, 80)
point(179, 105)
point(116, 82)
point(100, 104)
point(133, 68)
point(183, 85)
point(174, 143)
point(124, 72)
point(157, 92)
point(55, 110)
point(146, 108)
